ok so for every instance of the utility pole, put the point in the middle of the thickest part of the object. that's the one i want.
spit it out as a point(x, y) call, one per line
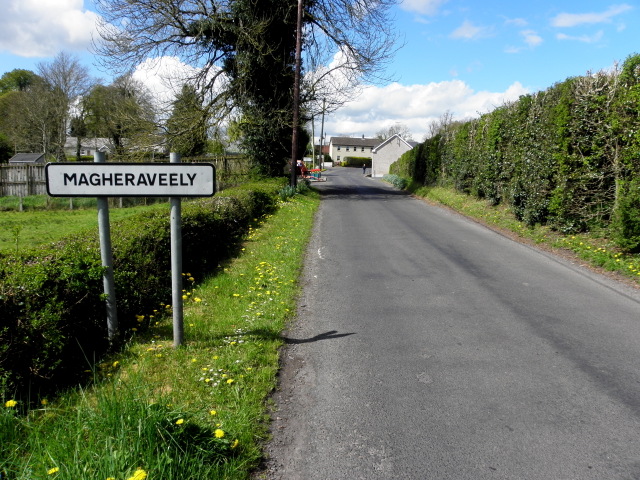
point(322, 136)
point(296, 97)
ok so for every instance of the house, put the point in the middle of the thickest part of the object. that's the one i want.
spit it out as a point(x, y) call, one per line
point(341, 147)
point(88, 146)
point(27, 159)
point(387, 152)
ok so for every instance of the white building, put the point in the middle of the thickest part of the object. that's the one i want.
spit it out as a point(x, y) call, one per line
point(384, 154)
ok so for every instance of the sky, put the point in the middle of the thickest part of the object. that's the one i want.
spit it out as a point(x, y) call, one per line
point(457, 57)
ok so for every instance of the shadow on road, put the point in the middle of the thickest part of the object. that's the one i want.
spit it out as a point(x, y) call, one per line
point(267, 334)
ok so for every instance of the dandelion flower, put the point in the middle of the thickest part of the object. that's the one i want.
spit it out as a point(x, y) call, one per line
point(44, 401)
point(53, 470)
point(197, 299)
point(213, 412)
point(11, 404)
point(139, 474)
point(219, 433)
point(230, 381)
point(180, 421)
point(235, 443)
point(115, 364)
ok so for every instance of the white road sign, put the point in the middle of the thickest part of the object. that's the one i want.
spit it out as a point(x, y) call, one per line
point(130, 179)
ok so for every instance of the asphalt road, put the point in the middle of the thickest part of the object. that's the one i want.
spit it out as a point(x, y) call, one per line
point(429, 347)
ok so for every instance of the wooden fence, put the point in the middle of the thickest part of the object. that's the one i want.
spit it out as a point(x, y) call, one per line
point(22, 180)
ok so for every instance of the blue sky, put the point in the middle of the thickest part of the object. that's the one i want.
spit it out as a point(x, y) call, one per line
point(465, 57)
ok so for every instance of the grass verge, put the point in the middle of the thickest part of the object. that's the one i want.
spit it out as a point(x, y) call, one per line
point(592, 248)
point(194, 412)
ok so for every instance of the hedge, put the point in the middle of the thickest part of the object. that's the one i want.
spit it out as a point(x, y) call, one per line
point(52, 312)
point(568, 156)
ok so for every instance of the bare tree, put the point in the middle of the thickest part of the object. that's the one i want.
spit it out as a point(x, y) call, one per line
point(396, 128)
point(67, 81)
point(237, 44)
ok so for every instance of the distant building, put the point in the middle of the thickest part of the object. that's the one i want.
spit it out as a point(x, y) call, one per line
point(27, 159)
point(388, 152)
point(88, 146)
point(340, 147)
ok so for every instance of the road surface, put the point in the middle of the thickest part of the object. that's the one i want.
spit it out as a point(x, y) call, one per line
point(430, 347)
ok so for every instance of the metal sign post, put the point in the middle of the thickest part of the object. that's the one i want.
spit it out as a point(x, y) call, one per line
point(102, 180)
point(176, 264)
point(106, 254)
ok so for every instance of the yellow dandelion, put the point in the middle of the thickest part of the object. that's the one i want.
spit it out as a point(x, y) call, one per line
point(219, 433)
point(230, 381)
point(11, 404)
point(213, 412)
point(44, 402)
point(139, 474)
point(184, 297)
point(180, 421)
point(53, 470)
point(196, 299)
point(115, 364)
point(235, 443)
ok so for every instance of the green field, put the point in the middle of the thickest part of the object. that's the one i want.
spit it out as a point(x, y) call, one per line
point(21, 230)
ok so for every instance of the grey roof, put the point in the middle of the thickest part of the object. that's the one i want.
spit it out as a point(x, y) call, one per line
point(410, 143)
point(355, 141)
point(27, 158)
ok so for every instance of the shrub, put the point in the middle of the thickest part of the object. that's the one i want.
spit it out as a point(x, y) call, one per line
point(625, 226)
point(52, 315)
point(396, 181)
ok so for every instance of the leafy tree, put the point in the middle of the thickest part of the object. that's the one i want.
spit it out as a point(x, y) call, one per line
point(245, 54)
point(187, 125)
point(16, 80)
point(122, 112)
point(28, 119)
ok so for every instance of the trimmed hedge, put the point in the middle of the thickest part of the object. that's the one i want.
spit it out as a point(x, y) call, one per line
point(52, 312)
point(568, 156)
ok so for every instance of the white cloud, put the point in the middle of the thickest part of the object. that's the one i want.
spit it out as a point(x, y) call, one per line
point(531, 38)
point(575, 19)
point(415, 106)
point(470, 31)
point(595, 38)
point(518, 22)
point(424, 7)
point(42, 28)
point(163, 76)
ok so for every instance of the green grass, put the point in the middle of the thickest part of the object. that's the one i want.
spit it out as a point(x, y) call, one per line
point(592, 248)
point(197, 412)
point(30, 228)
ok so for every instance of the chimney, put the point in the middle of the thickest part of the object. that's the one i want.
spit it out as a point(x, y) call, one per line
point(363, 136)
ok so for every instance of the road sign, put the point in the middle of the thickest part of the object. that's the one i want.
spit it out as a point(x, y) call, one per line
point(130, 179)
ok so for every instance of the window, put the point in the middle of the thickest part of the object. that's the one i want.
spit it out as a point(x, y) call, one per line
point(338, 158)
point(339, 147)
point(347, 149)
point(363, 149)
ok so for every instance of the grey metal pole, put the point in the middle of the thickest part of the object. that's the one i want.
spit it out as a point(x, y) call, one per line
point(176, 264)
point(322, 135)
point(106, 255)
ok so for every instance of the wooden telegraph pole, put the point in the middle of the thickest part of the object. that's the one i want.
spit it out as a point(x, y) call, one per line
point(296, 97)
